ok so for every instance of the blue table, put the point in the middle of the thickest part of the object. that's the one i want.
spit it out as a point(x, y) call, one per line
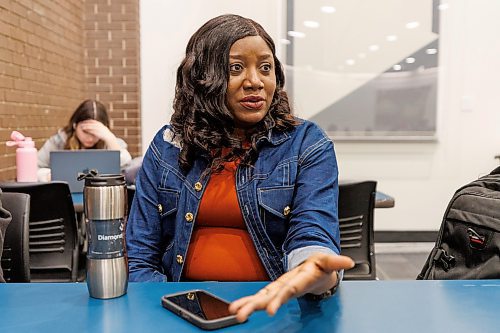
point(359, 306)
point(77, 202)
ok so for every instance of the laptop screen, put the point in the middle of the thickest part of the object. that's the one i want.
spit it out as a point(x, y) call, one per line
point(66, 164)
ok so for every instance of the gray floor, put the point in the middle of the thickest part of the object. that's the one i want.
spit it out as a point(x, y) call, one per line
point(400, 261)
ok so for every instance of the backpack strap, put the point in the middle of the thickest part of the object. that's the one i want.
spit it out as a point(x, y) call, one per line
point(495, 171)
point(445, 260)
point(438, 257)
point(429, 263)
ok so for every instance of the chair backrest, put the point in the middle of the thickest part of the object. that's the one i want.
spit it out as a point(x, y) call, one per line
point(15, 257)
point(53, 231)
point(130, 171)
point(356, 204)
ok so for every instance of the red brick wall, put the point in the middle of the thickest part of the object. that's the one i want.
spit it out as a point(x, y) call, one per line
point(54, 54)
point(111, 32)
point(41, 70)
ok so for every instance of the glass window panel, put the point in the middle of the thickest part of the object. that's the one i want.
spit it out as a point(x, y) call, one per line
point(364, 69)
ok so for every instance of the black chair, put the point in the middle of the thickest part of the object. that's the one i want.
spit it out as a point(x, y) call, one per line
point(356, 204)
point(53, 231)
point(15, 257)
point(130, 171)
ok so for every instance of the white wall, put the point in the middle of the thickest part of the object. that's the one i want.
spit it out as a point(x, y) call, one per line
point(421, 176)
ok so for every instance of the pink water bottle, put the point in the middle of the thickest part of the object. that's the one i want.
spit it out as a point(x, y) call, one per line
point(26, 157)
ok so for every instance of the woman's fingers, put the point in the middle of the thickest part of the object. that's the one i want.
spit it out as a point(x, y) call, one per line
point(311, 276)
point(247, 309)
point(245, 306)
point(287, 292)
point(269, 298)
point(239, 303)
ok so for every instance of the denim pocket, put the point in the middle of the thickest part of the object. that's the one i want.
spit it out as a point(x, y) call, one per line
point(168, 201)
point(275, 207)
point(276, 200)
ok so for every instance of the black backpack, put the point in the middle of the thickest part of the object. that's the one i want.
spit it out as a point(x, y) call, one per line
point(468, 243)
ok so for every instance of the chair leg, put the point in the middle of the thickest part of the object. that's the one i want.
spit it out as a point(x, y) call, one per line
point(74, 268)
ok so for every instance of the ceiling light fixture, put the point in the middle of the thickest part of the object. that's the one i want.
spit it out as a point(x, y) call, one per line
point(328, 9)
point(311, 24)
point(297, 34)
point(412, 25)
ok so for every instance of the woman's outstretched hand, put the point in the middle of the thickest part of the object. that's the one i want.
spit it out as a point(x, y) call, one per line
point(315, 275)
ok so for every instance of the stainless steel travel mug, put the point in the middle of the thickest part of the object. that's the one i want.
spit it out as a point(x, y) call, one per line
point(105, 205)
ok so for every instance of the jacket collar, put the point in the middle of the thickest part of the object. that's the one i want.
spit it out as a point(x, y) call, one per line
point(275, 137)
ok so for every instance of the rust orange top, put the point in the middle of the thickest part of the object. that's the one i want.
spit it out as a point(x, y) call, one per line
point(221, 248)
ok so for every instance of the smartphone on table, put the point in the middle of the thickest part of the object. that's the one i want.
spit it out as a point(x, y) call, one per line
point(200, 308)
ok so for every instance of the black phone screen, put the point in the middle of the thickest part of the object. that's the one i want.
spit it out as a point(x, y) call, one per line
point(201, 304)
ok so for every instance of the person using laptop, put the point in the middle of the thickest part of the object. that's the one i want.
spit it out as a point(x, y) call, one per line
point(236, 188)
point(88, 128)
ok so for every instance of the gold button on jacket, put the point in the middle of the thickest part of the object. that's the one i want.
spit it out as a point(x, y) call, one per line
point(180, 259)
point(189, 217)
point(198, 186)
point(286, 211)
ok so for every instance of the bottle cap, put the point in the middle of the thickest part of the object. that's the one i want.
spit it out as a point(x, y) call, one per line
point(27, 143)
point(20, 140)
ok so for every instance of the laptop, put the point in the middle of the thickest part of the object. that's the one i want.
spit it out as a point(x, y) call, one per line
point(66, 164)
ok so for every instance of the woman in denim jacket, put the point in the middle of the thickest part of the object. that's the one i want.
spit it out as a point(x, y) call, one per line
point(236, 188)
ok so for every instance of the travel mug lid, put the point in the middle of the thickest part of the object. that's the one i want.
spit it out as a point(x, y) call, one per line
point(105, 180)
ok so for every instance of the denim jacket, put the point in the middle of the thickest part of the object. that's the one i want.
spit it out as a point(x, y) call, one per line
point(288, 200)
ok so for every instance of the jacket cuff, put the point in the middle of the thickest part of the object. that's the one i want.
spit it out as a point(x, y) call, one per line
point(298, 256)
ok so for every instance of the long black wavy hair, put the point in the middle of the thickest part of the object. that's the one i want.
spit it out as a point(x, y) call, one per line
point(201, 121)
